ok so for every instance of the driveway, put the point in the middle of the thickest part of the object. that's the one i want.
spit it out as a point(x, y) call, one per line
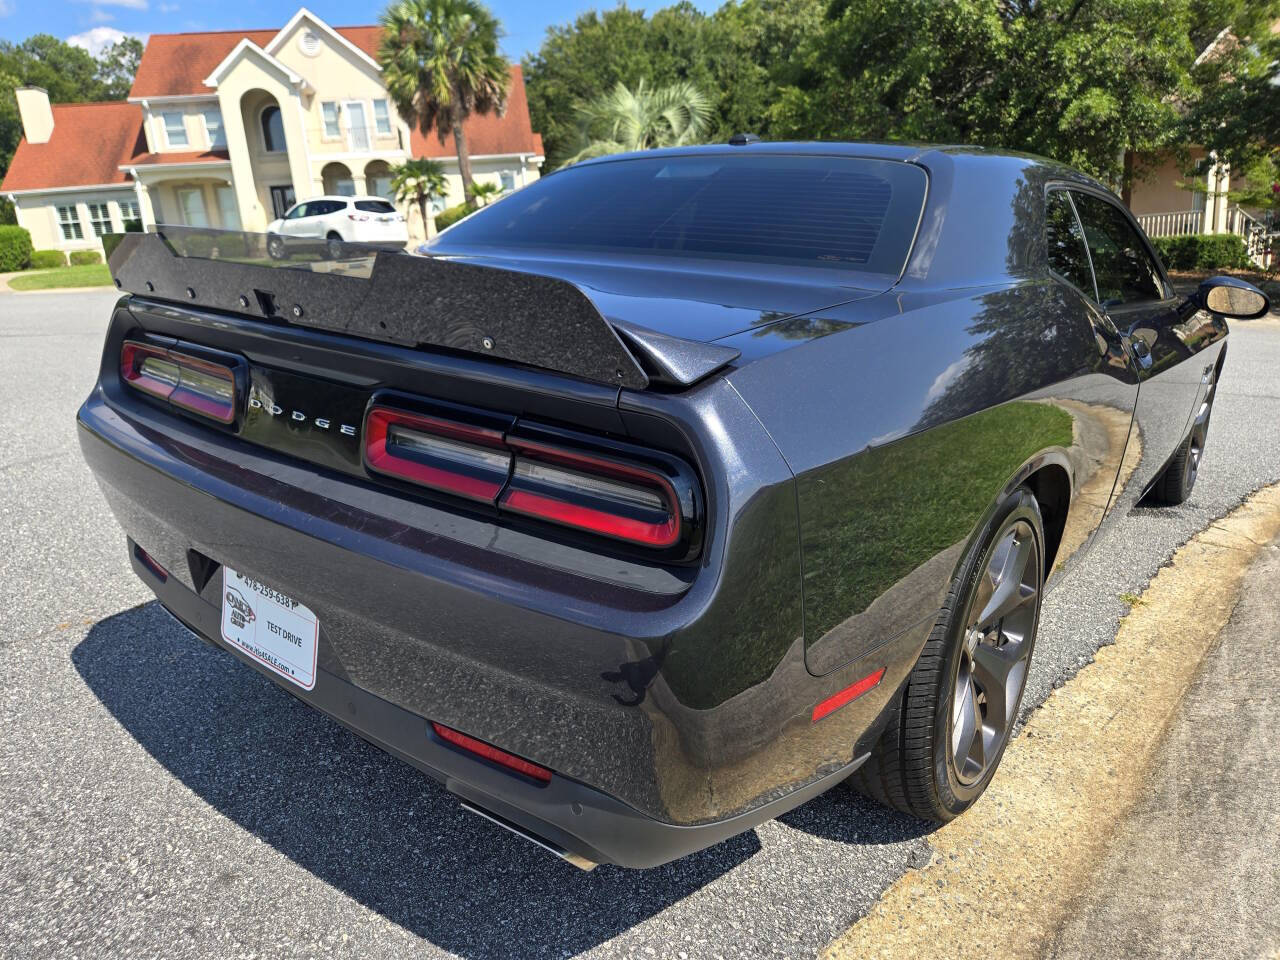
point(142, 818)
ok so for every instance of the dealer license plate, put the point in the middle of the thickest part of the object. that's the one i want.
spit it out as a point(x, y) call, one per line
point(277, 631)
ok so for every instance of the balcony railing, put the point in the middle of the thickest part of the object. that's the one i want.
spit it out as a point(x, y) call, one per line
point(1179, 224)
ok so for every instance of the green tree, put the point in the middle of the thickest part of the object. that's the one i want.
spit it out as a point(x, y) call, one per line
point(117, 65)
point(68, 73)
point(1237, 112)
point(484, 193)
point(440, 63)
point(624, 119)
point(421, 181)
point(1080, 80)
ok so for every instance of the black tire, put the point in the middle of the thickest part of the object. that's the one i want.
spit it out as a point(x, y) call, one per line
point(1179, 477)
point(912, 767)
point(275, 246)
point(333, 246)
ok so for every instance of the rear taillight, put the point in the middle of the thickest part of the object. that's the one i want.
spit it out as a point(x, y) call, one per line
point(193, 383)
point(594, 494)
point(606, 494)
point(433, 452)
point(358, 217)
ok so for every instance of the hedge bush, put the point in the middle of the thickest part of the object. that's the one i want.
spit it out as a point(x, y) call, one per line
point(15, 249)
point(1205, 252)
point(80, 258)
point(48, 259)
point(450, 216)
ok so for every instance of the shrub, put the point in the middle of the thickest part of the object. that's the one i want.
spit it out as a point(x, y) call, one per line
point(1204, 252)
point(15, 249)
point(450, 216)
point(47, 259)
point(80, 258)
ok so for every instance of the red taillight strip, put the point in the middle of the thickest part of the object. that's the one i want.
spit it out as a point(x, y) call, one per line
point(380, 457)
point(132, 356)
point(188, 398)
point(851, 692)
point(489, 752)
point(596, 521)
point(183, 392)
point(582, 517)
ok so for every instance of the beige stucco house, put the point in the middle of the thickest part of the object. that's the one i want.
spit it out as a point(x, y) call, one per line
point(1168, 201)
point(227, 129)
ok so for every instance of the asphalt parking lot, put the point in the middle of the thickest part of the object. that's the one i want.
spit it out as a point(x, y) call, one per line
point(160, 799)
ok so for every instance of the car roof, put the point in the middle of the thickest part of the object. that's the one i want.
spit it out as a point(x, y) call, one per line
point(343, 197)
point(903, 151)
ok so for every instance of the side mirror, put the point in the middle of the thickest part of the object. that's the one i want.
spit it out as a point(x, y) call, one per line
point(1233, 298)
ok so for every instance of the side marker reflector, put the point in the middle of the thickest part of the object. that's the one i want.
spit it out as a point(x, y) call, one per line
point(490, 752)
point(851, 692)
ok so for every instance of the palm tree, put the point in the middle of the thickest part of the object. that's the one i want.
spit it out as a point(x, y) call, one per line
point(420, 180)
point(440, 63)
point(485, 193)
point(641, 119)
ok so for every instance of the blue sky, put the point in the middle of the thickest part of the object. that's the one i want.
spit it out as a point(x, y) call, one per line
point(95, 22)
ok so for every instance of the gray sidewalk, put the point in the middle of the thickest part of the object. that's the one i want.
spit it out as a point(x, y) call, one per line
point(1195, 872)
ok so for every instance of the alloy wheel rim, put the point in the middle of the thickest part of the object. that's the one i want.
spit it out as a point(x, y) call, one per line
point(995, 648)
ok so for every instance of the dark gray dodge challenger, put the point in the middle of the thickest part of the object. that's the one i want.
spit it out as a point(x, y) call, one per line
point(669, 491)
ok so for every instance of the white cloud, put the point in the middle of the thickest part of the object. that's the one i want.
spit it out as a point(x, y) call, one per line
point(6, 8)
point(99, 38)
point(98, 15)
point(128, 4)
point(168, 8)
point(947, 377)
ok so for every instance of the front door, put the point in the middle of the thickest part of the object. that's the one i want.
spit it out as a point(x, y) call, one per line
point(282, 199)
point(1163, 331)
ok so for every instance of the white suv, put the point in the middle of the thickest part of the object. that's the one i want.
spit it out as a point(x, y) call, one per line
point(329, 222)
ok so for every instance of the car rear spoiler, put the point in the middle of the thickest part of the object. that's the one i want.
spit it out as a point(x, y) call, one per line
point(410, 300)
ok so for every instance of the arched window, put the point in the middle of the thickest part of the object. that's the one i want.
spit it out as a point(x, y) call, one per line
point(272, 130)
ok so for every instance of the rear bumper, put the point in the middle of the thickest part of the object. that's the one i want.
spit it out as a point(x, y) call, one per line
point(424, 619)
point(576, 822)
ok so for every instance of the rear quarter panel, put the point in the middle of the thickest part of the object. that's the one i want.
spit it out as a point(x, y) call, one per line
point(904, 432)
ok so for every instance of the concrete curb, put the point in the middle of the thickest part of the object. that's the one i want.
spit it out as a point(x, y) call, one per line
point(1003, 877)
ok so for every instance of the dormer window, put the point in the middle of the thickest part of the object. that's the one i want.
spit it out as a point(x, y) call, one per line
point(272, 130)
point(175, 129)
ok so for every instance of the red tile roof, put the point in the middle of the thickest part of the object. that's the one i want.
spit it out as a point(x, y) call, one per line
point(177, 64)
point(91, 141)
point(488, 134)
point(188, 156)
point(88, 144)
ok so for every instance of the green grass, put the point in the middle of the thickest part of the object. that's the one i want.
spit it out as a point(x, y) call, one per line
point(88, 275)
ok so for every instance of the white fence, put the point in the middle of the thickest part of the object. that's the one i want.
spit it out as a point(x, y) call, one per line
point(1182, 223)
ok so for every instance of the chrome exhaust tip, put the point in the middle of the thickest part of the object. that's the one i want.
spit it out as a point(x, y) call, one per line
point(581, 862)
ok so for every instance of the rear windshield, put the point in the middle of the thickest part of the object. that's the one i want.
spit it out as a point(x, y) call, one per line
point(841, 212)
point(375, 206)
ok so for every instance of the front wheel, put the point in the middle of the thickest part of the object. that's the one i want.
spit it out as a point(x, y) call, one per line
point(275, 246)
point(950, 726)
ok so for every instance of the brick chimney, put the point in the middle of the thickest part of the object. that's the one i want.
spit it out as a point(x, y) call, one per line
point(36, 114)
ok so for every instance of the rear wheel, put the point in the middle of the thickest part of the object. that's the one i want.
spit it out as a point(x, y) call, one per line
point(333, 245)
point(952, 722)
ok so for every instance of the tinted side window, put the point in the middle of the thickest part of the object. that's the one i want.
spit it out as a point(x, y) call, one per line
point(297, 212)
point(1065, 241)
point(1122, 267)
